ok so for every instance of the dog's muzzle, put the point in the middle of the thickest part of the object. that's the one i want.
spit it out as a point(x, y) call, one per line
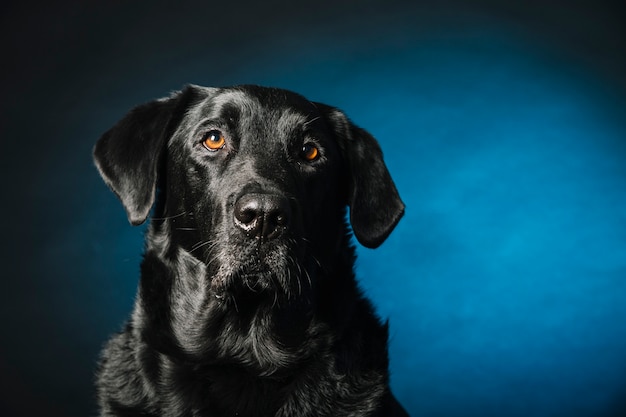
point(261, 255)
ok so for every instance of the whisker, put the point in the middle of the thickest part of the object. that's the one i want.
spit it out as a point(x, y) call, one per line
point(234, 300)
point(308, 278)
point(202, 244)
point(171, 217)
point(311, 121)
point(317, 262)
point(276, 303)
point(297, 279)
point(210, 258)
point(297, 264)
point(250, 287)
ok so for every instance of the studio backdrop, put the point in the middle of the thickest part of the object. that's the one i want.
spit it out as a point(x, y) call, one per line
point(502, 123)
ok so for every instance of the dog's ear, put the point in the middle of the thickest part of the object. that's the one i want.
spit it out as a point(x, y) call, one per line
point(128, 155)
point(375, 205)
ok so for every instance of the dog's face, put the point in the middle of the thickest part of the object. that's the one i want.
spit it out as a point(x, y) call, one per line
point(252, 182)
point(255, 176)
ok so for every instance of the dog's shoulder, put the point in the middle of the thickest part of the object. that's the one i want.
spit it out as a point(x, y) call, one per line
point(121, 377)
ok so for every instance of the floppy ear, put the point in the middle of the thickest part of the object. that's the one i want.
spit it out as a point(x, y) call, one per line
point(128, 154)
point(375, 206)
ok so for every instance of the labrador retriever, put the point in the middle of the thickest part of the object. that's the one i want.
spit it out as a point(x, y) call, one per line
point(247, 303)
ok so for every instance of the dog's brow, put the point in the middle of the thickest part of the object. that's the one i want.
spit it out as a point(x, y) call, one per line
point(290, 120)
point(238, 100)
point(306, 124)
point(230, 111)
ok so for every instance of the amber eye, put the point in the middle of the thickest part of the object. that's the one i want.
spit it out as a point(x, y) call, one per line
point(309, 152)
point(213, 140)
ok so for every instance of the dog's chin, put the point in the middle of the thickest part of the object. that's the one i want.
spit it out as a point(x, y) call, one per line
point(246, 284)
point(252, 286)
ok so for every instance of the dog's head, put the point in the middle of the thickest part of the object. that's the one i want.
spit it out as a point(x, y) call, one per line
point(252, 182)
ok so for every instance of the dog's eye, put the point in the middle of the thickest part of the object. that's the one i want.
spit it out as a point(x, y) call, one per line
point(213, 140)
point(309, 152)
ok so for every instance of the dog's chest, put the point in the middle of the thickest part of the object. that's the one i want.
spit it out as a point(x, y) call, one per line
point(234, 392)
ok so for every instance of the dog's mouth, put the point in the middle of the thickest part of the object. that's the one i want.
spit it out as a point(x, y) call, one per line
point(240, 282)
point(271, 276)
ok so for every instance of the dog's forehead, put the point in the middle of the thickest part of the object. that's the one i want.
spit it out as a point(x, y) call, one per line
point(281, 109)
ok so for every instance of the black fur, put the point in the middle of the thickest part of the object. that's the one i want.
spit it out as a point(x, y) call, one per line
point(247, 303)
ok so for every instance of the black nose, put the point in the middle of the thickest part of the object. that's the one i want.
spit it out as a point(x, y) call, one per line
point(263, 216)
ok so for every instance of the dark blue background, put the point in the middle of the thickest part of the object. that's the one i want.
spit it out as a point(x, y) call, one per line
point(503, 123)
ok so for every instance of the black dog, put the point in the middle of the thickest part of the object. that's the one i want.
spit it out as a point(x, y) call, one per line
point(247, 303)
